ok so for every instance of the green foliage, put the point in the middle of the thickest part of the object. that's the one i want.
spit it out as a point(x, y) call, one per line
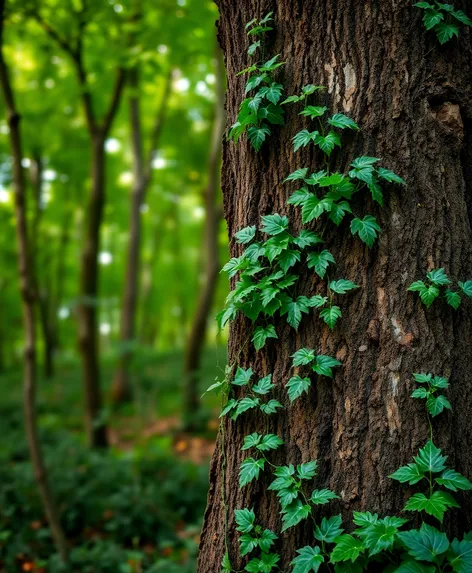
point(435, 403)
point(437, 281)
point(443, 19)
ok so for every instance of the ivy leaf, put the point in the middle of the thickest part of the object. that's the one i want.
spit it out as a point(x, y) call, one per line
point(261, 334)
point(271, 64)
point(367, 229)
point(310, 89)
point(445, 32)
point(439, 382)
point(431, 18)
point(245, 519)
point(365, 518)
point(331, 315)
point(247, 543)
point(424, 544)
point(272, 113)
point(315, 178)
point(269, 442)
point(249, 470)
point(253, 48)
point(230, 405)
point(430, 459)
point(245, 235)
point(364, 161)
point(288, 259)
point(284, 478)
point(324, 364)
point(338, 212)
point(299, 197)
point(438, 277)
point(466, 288)
point(254, 82)
point(454, 481)
point(435, 505)
point(234, 265)
point(333, 179)
point(263, 565)
point(459, 15)
point(287, 495)
point(390, 176)
point(244, 405)
point(422, 378)
point(292, 99)
point(410, 473)
point(308, 559)
point(460, 555)
point(264, 386)
point(307, 239)
point(342, 121)
point(226, 566)
point(307, 470)
point(274, 224)
point(313, 207)
point(313, 111)
point(380, 536)
point(428, 295)
point(327, 143)
point(322, 496)
point(296, 386)
point(342, 286)
point(415, 567)
point(453, 299)
point(242, 377)
point(320, 262)
point(270, 407)
point(251, 441)
point(273, 93)
point(347, 548)
point(257, 136)
point(303, 356)
point(436, 404)
point(266, 540)
point(294, 309)
point(376, 192)
point(253, 105)
point(303, 138)
point(294, 513)
point(421, 393)
point(298, 174)
point(329, 529)
point(317, 301)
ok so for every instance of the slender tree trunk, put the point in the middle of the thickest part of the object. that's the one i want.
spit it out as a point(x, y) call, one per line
point(198, 330)
point(142, 174)
point(28, 294)
point(413, 101)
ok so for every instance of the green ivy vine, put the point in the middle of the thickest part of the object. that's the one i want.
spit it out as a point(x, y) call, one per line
point(443, 19)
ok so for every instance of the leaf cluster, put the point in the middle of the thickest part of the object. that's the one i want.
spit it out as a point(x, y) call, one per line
point(443, 19)
point(429, 391)
point(437, 285)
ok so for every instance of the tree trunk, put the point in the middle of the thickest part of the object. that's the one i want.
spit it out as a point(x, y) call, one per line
point(413, 102)
point(121, 391)
point(28, 293)
point(198, 330)
point(87, 310)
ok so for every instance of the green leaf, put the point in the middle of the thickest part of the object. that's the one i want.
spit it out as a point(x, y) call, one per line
point(460, 556)
point(366, 228)
point(445, 32)
point(303, 356)
point(421, 393)
point(234, 265)
point(288, 259)
point(438, 277)
point(417, 286)
point(313, 111)
point(338, 212)
point(424, 544)
point(285, 479)
point(310, 89)
point(436, 404)
point(264, 386)
point(439, 382)
point(271, 64)
point(251, 441)
point(342, 121)
point(254, 82)
point(298, 174)
point(390, 176)
point(410, 473)
point(266, 540)
point(365, 518)
point(244, 405)
point(263, 565)
point(307, 470)
point(299, 197)
point(331, 315)
point(347, 548)
point(294, 514)
point(303, 138)
point(320, 262)
point(328, 142)
point(317, 301)
point(415, 567)
point(292, 99)
point(428, 295)
point(270, 407)
point(376, 192)
point(313, 207)
point(242, 377)
point(329, 529)
point(453, 299)
point(430, 459)
point(342, 286)
point(287, 495)
point(459, 15)
point(226, 566)
point(249, 470)
point(257, 136)
point(245, 519)
point(364, 161)
point(253, 48)
point(296, 386)
point(324, 364)
point(307, 239)
point(454, 481)
point(269, 442)
point(431, 18)
point(247, 543)
point(229, 406)
point(322, 496)
point(466, 288)
point(294, 310)
point(261, 334)
point(246, 235)
point(273, 93)
point(333, 179)
point(272, 113)
point(308, 559)
point(435, 505)
point(315, 178)
point(381, 536)
point(274, 224)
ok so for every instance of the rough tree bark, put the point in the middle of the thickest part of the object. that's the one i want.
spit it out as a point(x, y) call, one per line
point(98, 131)
point(28, 295)
point(198, 329)
point(142, 176)
point(413, 101)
